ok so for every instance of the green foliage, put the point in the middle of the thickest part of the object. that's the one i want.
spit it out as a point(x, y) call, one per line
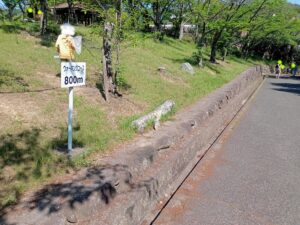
point(244, 28)
point(10, 3)
point(197, 56)
point(272, 31)
point(33, 28)
point(158, 35)
point(122, 83)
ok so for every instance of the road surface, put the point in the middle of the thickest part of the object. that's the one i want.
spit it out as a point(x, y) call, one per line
point(251, 175)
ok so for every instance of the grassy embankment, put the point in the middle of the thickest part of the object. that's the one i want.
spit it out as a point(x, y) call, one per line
point(33, 107)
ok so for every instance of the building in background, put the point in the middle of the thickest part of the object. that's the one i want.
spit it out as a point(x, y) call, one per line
point(77, 14)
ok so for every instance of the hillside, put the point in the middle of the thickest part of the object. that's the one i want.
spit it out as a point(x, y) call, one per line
point(33, 107)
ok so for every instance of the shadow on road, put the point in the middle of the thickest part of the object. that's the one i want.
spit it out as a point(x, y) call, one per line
point(287, 87)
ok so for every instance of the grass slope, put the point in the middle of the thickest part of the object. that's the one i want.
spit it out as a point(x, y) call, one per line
point(33, 107)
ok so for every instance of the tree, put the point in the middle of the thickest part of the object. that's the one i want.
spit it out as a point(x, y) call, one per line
point(206, 17)
point(157, 10)
point(112, 32)
point(11, 5)
point(181, 12)
point(70, 6)
point(232, 13)
point(137, 16)
point(44, 16)
point(275, 31)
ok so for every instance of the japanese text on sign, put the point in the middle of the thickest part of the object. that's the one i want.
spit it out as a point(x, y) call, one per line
point(73, 74)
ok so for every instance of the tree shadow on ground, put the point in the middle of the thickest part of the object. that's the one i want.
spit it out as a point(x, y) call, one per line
point(22, 147)
point(193, 61)
point(103, 182)
point(47, 40)
point(86, 186)
point(33, 29)
point(172, 43)
point(238, 60)
point(23, 158)
point(99, 86)
point(4, 222)
point(60, 143)
point(123, 86)
point(50, 198)
point(213, 67)
point(190, 60)
point(8, 79)
point(11, 28)
point(287, 87)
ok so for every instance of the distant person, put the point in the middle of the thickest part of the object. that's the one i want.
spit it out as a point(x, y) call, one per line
point(65, 43)
point(277, 70)
point(30, 12)
point(294, 69)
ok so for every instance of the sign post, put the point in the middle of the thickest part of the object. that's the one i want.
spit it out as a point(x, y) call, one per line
point(72, 75)
point(70, 118)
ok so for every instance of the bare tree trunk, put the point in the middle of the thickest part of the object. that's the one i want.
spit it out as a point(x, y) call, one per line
point(70, 5)
point(107, 61)
point(201, 43)
point(22, 9)
point(157, 16)
point(44, 17)
point(54, 11)
point(202, 36)
point(132, 8)
point(214, 43)
point(181, 33)
point(104, 77)
point(119, 27)
point(10, 11)
point(118, 40)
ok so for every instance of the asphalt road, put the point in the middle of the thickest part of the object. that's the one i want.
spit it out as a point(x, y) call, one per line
point(251, 175)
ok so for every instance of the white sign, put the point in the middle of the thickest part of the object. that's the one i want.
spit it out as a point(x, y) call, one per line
point(72, 74)
point(77, 42)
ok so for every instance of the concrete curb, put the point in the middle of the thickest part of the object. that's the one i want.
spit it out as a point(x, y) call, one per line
point(137, 179)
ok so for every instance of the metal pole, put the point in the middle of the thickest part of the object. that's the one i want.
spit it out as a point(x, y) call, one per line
point(70, 118)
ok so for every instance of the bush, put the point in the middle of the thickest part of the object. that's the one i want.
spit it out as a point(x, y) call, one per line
point(159, 35)
point(32, 27)
point(53, 28)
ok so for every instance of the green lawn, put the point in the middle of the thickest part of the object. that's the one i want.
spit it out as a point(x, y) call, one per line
point(33, 107)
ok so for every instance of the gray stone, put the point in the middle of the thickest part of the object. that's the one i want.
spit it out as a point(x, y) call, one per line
point(162, 69)
point(188, 68)
point(71, 218)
